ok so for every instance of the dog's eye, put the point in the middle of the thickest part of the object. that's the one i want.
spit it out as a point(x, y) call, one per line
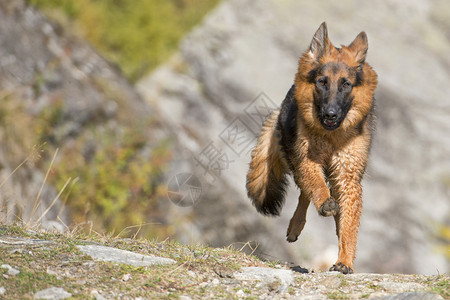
point(322, 81)
point(346, 84)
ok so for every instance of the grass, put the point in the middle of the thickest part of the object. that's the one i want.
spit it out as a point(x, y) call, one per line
point(60, 264)
point(441, 286)
point(337, 295)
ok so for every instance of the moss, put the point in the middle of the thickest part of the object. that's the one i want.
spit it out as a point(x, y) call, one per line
point(137, 35)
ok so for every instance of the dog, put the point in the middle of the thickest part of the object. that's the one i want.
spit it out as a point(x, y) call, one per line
point(322, 135)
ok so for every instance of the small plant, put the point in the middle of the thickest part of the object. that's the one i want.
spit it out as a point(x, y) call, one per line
point(442, 287)
point(337, 295)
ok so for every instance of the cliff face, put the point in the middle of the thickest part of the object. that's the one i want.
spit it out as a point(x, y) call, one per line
point(241, 62)
point(58, 93)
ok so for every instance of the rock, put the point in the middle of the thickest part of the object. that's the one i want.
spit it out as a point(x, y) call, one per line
point(267, 276)
point(110, 254)
point(7, 240)
point(53, 293)
point(240, 294)
point(11, 271)
point(2, 290)
point(409, 296)
point(398, 287)
point(331, 282)
point(126, 277)
point(97, 295)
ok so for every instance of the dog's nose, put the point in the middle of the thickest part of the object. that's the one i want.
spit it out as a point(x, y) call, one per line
point(331, 114)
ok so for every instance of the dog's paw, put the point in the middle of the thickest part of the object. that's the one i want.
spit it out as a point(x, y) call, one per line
point(329, 208)
point(291, 238)
point(340, 267)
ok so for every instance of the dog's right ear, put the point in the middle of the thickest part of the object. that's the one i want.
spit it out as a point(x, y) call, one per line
point(320, 43)
point(359, 47)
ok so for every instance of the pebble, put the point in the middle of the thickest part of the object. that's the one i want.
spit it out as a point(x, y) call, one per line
point(267, 276)
point(11, 271)
point(331, 282)
point(126, 277)
point(240, 293)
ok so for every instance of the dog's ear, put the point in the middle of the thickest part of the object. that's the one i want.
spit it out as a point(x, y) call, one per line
point(320, 43)
point(359, 47)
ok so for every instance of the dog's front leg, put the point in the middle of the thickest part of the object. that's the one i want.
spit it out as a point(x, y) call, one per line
point(310, 179)
point(350, 203)
point(298, 220)
point(346, 183)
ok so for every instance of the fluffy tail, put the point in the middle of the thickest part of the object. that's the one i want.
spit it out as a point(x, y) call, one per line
point(266, 178)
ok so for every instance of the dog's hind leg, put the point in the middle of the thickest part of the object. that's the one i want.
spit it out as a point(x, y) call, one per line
point(298, 220)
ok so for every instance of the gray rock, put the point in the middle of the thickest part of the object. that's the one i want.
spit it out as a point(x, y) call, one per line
point(7, 240)
point(331, 282)
point(2, 290)
point(409, 296)
point(110, 254)
point(53, 293)
point(267, 276)
point(11, 271)
point(398, 287)
point(97, 295)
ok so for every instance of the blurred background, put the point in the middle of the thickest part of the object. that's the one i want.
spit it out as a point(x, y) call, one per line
point(137, 118)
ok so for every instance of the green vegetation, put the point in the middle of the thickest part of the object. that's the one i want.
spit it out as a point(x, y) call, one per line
point(109, 174)
point(442, 237)
point(53, 260)
point(337, 295)
point(137, 35)
point(118, 186)
point(442, 287)
point(59, 263)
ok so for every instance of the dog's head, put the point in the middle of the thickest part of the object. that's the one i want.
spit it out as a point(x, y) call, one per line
point(331, 76)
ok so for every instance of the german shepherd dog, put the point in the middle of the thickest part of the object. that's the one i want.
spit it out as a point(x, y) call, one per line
point(322, 135)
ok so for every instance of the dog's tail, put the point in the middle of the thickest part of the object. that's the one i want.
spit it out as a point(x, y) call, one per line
point(266, 178)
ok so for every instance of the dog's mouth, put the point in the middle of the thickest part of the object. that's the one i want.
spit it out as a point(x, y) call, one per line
point(330, 124)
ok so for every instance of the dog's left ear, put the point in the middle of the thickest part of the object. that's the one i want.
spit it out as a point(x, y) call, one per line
point(359, 47)
point(320, 44)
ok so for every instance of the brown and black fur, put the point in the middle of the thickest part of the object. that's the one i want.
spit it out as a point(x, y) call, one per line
point(321, 134)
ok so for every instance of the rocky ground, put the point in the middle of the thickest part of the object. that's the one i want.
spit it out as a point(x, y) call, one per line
point(48, 266)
